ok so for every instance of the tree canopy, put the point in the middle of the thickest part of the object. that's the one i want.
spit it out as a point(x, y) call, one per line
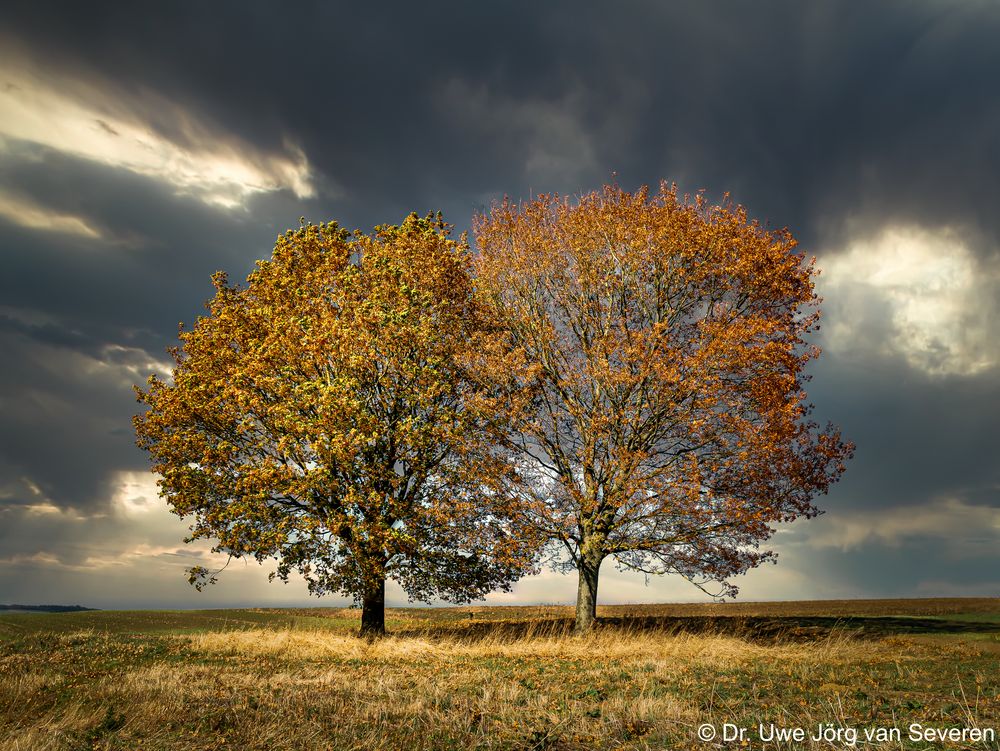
point(321, 415)
point(660, 416)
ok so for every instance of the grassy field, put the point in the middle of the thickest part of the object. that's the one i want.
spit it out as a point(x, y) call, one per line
point(503, 678)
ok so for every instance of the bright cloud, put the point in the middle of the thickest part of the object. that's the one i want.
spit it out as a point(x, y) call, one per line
point(922, 292)
point(29, 214)
point(975, 528)
point(218, 169)
point(133, 364)
point(136, 495)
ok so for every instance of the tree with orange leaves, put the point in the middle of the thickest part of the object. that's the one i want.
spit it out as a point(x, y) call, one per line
point(657, 391)
point(321, 416)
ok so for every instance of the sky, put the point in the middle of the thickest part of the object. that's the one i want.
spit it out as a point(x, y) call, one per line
point(142, 149)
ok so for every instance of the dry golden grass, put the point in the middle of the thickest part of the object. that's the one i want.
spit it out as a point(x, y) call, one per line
point(506, 686)
point(619, 645)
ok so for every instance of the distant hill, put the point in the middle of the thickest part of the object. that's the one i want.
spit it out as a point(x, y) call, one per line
point(47, 608)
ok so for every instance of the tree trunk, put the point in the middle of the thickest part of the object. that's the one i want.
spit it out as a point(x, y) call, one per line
point(373, 611)
point(586, 593)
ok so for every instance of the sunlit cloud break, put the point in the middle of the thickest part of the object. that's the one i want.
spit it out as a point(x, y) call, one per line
point(974, 529)
point(215, 167)
point(29, 214)
point(913, 292)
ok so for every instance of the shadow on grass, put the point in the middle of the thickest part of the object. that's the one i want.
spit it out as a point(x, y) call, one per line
point(752, 628)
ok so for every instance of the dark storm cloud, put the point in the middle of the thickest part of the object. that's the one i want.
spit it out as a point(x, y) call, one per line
point(106, 310)
point(838, 120)
point(918, 437)
point(154, 257)
point(919, 566)
point(63, 426)
point(806, 112)
point(47, 333)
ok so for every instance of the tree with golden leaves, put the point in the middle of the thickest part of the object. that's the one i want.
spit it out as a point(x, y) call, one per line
point(320, 415)
point(658, 393)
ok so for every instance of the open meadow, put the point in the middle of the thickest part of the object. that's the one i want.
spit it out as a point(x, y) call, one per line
point(501, 678)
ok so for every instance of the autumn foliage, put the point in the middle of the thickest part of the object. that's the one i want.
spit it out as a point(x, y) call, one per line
point(321, 415)
point(658, 344)
point(620, 376)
